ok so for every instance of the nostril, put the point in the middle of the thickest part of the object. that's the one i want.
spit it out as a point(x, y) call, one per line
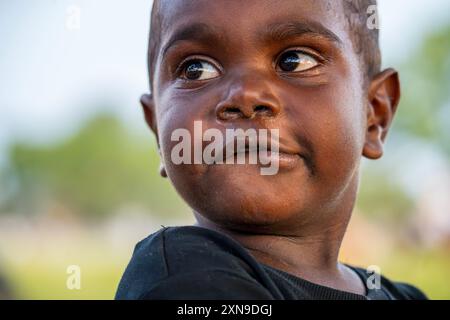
point(233, 110)
point(262, 109)
point(229, 112)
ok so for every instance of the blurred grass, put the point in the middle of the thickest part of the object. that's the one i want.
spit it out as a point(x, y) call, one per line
point(43, 281)
point(45, 277)
point(427, 270)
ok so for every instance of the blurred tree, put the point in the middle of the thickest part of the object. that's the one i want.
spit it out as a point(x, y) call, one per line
point(425, 106)
point(95, 172)
point(423, 115)
point(380, 196)
point(5, 289)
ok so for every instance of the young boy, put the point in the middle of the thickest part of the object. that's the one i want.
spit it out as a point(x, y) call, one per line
point(308, 71)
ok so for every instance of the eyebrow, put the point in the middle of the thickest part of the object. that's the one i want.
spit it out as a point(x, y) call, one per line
point(285, 30)
point(200, 32)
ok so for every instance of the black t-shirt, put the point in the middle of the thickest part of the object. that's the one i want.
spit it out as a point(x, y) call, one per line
point(197, 263)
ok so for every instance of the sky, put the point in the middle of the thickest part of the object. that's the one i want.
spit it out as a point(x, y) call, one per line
point(56, 70)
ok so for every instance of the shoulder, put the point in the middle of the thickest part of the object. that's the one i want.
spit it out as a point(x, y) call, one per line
point(397, 290)
point(190, 248)
point(198, 262)
point(409, 291)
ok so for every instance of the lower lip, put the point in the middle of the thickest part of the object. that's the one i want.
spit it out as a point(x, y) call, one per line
point(285, 160)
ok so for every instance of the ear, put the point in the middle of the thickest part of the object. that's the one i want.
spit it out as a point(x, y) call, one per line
point(148, 107)
point(384, 96)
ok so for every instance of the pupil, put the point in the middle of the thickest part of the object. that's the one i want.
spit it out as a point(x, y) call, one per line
point(289, 61)
point(194, 70)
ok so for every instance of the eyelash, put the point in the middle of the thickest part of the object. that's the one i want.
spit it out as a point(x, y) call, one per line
point(310, 52)
point(183, 64)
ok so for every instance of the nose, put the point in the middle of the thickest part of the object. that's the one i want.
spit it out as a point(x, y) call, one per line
point(248, 98)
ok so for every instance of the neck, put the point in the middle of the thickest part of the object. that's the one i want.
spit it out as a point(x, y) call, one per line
point(310, 257)
point(310, 253)
point(297, 254)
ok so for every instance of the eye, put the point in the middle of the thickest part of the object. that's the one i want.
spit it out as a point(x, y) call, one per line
point(296, 61)
point(199, 70)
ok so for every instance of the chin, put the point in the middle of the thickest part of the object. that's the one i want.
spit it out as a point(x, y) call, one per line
point(249, 211)
point(239, 197)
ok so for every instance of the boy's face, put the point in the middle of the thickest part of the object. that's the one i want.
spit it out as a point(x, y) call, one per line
point(287, 65)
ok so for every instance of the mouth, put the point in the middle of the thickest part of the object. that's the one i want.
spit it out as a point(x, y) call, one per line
point(265, 151)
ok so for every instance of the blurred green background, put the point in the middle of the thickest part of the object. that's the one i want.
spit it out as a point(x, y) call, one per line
point(79, 182)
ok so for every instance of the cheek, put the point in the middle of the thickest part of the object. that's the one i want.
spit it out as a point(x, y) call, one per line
point(178, 111)
point(332, 117)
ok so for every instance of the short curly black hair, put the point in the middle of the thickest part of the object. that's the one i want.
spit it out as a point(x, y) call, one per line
point(365, 39)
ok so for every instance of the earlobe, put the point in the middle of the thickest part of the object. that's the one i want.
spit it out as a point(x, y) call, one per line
point(162, 171)
point(383, 98)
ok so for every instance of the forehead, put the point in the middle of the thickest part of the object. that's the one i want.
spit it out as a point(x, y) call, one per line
point(239, 19)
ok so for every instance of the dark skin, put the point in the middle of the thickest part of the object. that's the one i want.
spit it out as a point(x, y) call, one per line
point(238, 73)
